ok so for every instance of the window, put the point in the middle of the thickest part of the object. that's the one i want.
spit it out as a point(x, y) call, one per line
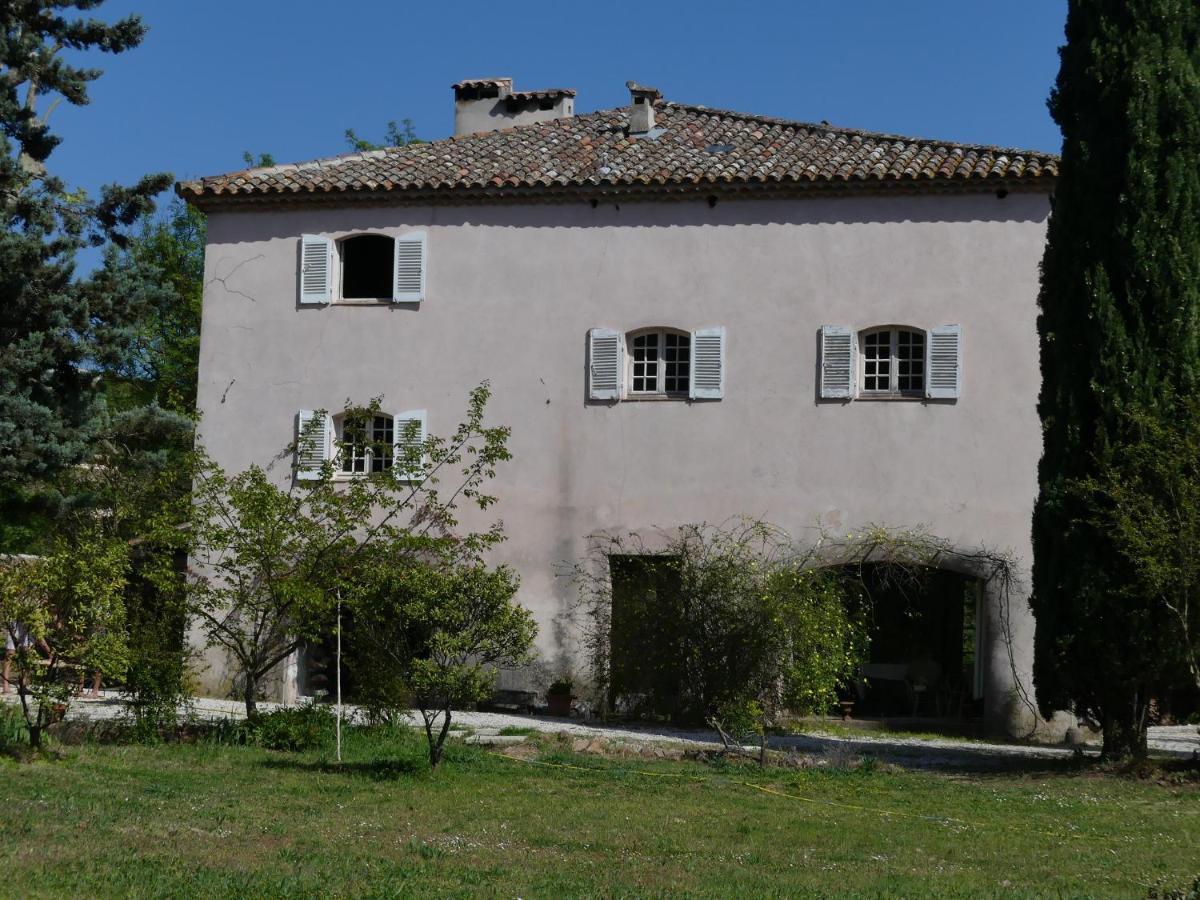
point(660, 363)
point(362, 444)
point(363, 267)
point(367, 266)
point(893, 362)
point(366, 446)
point(656, 363)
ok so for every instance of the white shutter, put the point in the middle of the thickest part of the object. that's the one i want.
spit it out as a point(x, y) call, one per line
point(838, 362)
point(316, 269)
point(408, 282)
point(708, 364)
point(606, 364)
point(943, 363)
point(401, 424)
point(314, 434)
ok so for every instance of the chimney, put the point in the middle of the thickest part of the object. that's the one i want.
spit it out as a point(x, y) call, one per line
point(489, 104)
point(641, 107)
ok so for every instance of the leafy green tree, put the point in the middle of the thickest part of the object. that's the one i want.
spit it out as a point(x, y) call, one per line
point(261, 161)
point(434, 627)
point(53, 329)
point(137, 490)
point(270, 561)
point(160, 270)
point(1119, 329)
point(400, 135)
point(1147, 500)
point(64, 614)
point(262, 574)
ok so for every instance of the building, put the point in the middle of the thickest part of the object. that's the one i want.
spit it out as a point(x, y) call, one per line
point(685, 314)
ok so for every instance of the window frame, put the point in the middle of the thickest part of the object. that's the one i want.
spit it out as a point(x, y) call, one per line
point(894, 361)
point(631, 363)
point(368, 451)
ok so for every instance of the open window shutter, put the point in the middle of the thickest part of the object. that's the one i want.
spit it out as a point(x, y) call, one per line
point(314, 434)
point(407, 438)
point(606, 364)
point(708, 364)
point(943, 363)
point(316, 269)
point(408, 283)
point(838, 362)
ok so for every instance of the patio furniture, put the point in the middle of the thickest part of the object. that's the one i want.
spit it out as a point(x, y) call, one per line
point(922, 677)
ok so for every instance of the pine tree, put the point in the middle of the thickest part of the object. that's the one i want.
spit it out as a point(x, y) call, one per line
point(55, 331)
point(1120, 338)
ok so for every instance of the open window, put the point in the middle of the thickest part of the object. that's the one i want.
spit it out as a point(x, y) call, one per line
point(363, 268)
point(367, 261)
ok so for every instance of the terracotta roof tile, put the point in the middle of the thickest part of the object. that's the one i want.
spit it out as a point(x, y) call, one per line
point(690, 148)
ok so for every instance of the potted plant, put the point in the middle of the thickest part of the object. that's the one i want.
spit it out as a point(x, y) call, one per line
point(559, 696)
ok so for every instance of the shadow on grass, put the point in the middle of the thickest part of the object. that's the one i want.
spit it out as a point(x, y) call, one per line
point(373, 769)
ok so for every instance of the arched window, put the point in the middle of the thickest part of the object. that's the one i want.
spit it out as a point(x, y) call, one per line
point(892, 361)
point(366, 442)
point(660, 361)
point(367, 267)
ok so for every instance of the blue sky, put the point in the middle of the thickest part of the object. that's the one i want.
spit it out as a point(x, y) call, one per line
point(216, 77)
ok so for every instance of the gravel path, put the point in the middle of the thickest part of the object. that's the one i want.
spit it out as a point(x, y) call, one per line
point(1182, 741)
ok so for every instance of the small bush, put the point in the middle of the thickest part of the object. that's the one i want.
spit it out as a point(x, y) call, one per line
point(14, 739)
point(294, 728)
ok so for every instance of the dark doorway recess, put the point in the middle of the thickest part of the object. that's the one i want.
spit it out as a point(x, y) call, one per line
point(924, 643)
point(645, 670)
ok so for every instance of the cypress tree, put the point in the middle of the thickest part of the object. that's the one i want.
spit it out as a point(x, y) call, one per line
point(1119, 333)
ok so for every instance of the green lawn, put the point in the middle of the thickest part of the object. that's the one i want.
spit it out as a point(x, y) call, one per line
point(216, 820)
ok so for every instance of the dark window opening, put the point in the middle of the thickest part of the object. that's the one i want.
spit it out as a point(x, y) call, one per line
point(367, 263)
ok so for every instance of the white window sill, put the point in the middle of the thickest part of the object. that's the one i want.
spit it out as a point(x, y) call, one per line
point(355, 476)
point(642, 398)
point(890, 397)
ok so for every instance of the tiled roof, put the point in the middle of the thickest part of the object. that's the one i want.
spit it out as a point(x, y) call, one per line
point(691, 149)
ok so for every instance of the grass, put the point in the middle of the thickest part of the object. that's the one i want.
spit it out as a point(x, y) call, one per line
point(214, 820)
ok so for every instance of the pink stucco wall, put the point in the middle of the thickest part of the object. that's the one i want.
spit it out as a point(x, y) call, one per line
point(513, 290)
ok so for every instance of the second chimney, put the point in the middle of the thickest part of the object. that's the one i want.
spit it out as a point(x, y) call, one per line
point(641, 107)
point(489, 104)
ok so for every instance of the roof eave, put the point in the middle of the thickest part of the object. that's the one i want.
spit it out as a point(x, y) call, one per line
point(458, 195)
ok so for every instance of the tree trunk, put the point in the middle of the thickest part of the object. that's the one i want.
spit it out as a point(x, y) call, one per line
point(1125, 734)
point(35, 737)
point(436, 745)
point(251, 697)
